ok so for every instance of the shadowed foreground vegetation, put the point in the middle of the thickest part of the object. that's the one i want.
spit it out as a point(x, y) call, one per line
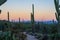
point(14, 30)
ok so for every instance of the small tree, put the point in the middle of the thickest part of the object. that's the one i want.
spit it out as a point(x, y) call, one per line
point(45, 36)
point(54, 32)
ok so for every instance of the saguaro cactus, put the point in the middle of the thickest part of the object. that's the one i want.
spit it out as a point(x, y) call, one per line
point(32, 19)
point(0, 11)
point(2, 2)
point(19, 20)
point(32, 23)
point(57, 16)
point(8, 16)
point(57, 6)
point(19, 24)
point(32, 14)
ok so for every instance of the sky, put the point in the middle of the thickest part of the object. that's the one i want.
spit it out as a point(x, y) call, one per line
point(44, 10)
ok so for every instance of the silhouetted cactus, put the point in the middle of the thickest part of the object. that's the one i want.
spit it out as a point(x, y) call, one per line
point(57, 5)
point(32, 14)
point(19, 25)
point(19, 20)
point(0, 11)
point(2, 1)
point(8, 16)
point(56, 16)
point(57, 9)
point(32, 22)
point(32, 19)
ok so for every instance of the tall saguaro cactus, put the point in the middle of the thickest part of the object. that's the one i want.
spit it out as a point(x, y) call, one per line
point(19, 23)
point(32, 23)
point(8, 16)
point(19, 20)
point(57, 6)
point(32, 19)
point(32, 14)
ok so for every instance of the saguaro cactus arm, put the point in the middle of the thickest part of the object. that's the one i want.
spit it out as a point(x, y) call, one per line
point(56, 16)
point(57, 6)
point(56, 2)
point(2, 2)
point(0, 11)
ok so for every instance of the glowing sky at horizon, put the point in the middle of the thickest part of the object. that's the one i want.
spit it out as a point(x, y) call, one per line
point(44, 9)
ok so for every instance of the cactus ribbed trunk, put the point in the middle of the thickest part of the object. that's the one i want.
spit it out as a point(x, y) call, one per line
point(2, 2)
point(57, 6)
point(32, 19)
point(19, 20)
point(19, 24)
point(0, 11)
point(8, 16)
point(57, 13)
